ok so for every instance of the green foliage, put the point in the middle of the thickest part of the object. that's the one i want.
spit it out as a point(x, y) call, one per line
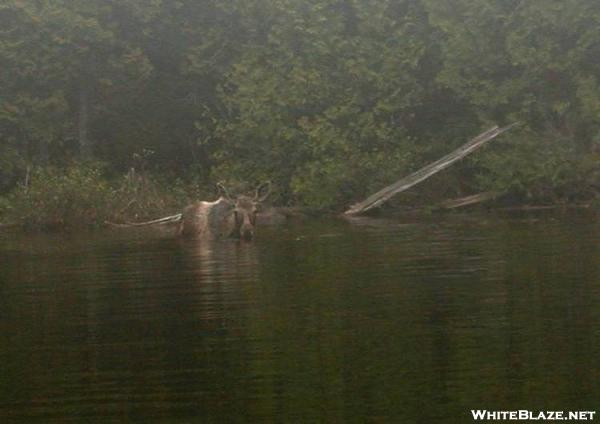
point(82, 196)
point(54, 198)
point(533, 62)
point(330, 100)
point(550, 178)
point(322, 105)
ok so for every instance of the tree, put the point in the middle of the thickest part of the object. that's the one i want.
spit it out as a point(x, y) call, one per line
point(61, 56)
point(324, 102)
point(534, 62)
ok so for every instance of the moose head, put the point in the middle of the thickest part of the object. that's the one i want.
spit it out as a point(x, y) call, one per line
point(244, 210)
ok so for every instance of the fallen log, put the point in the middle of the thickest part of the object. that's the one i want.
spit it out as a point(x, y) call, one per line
point(160, 221)
point(546, 207)
point(422, 174)
point(468, 200)
point(8, 225)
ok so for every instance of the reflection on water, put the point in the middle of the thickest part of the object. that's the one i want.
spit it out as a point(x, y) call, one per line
point(367, 320)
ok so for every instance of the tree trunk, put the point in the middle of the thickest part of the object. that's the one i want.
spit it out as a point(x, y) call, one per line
point(43, 152)
point(85, 147)
point(422, 174)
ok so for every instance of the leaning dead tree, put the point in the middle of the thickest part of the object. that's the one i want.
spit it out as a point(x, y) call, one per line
point(405, 183)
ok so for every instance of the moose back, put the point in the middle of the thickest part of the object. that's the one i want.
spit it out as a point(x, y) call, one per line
point(226, 217)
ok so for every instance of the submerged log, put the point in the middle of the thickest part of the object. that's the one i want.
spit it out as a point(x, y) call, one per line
point(422, 174)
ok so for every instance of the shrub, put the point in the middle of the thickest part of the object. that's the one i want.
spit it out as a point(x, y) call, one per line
point(82, 196)
point(77, 196)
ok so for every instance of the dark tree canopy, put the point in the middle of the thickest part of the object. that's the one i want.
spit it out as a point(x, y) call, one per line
point(328, 99)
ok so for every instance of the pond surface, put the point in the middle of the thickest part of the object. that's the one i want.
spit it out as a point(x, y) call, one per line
point(376, 320)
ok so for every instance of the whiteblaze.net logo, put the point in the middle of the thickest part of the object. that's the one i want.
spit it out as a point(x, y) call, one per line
point(523, 414)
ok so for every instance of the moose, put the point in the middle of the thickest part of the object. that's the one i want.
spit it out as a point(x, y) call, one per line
point(228, 216)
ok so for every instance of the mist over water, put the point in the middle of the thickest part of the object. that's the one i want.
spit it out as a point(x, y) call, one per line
point(402, 320)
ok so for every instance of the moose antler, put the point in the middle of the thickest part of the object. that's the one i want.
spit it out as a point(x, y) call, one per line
point(223, 190)
point(259, 189)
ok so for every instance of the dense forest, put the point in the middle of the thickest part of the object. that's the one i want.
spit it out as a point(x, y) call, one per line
point(138, 105)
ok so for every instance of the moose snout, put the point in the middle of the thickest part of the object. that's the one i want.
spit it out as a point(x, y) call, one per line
point(247, 232)
point(247, 228)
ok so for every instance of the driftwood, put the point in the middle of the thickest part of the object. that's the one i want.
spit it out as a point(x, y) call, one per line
point(161, 221)
point(405, 183)
point(468, 200)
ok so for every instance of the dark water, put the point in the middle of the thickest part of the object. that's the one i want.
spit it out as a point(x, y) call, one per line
point(407, 320)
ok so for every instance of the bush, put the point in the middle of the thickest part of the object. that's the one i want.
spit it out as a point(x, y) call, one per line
point(547, 171)
point(82, 196)
point(77, 196)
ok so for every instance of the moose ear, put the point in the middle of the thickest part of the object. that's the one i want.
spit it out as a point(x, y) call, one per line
point(262, 192)
point(222, 191)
